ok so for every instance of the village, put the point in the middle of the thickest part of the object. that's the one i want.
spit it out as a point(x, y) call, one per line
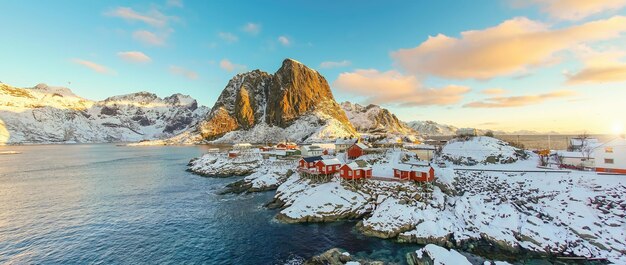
point(473, 193)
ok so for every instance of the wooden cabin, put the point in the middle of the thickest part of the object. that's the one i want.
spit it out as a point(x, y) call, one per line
point(233, 154)
point(358, 169)
point(357, 150)
point(415, 173)
point(308, 162)
point(328, 166)
point(287, 146)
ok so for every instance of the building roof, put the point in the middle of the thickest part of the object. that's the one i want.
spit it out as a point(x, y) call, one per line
point(309, 159)
point(578, 141)
point(359, 164)
point(362, 146)
point(330, 162)
point(407, 167)
point(311, 147)
point(345, 141)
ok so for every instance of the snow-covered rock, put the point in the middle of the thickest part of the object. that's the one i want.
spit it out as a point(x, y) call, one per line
point(431, 128)
point(45, 114)
point(220, 165)
point(481, 150)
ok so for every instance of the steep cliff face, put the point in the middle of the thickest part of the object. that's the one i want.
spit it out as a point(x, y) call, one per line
point(374, 120)
point(294, 103)
point(45, 114)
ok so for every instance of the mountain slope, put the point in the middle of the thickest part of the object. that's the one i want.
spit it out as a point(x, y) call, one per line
point(294, 103)
point(431, 128)
point(45, 114)
point(373, 119)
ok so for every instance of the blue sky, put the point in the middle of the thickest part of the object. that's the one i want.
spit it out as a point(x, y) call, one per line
point(105, 48)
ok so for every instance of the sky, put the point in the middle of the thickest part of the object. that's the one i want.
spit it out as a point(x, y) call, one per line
point(541, 65)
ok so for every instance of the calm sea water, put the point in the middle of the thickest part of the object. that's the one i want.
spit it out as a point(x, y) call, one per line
point(106, 204)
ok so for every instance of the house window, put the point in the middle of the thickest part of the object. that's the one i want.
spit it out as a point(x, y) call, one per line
point(608, 149)
point(343, 172)
point(608, 160)
point(349, 173)
point(358, 173)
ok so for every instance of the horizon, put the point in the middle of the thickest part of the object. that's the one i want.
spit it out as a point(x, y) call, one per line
point(536, 66)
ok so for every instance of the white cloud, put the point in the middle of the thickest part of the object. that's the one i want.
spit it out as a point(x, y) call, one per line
point(150, 38)
point(228, 37)
point(175, 3)
point(93, 66)
point(189, 74)
point(493, 91)
point(331, 64)
point(252, 28)
point(284, 40)
point(134, 57)
point(230, 66)
point(599, 66)
point(512, 47)
point(392, 87)
point(153, 17)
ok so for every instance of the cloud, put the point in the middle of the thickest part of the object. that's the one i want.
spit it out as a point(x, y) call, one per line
point(149, 38)
point(153, 17)
point(228, 37)
point(493, 91)
point(177, 70)
point(252, 28)
point(175, 3)
point(331, 64)
point(134, 57)
point(518, 101)
point(599, 66)
point(230, 66)
point(93, 66)
point(575, 9)
point(392, 87)
point(511, 47)
point(284, 40)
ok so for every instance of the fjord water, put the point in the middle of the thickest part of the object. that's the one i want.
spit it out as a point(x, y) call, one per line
point(107, 204)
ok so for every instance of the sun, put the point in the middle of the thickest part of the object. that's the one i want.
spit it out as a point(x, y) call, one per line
point(618, 128)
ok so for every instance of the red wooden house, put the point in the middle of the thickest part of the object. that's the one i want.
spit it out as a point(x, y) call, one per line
point(308, 162)
point(328, 166)
point(356, 150)
point(287, 146)
point(358, 169)
point(415, 173)
point(233, 154)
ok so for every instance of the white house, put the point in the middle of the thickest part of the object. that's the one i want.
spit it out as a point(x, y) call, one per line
point(311, 150)
point(574, 159)
point(611, 156)
point(343, 144)
point(579, 144)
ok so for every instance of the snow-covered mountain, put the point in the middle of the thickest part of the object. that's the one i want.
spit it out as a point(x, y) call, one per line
point(431, 128)
point(373, 119)
point(45, 114)
point(294, 103)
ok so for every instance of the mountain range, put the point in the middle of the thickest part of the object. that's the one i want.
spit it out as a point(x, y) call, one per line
point(45, 114)
point(295, 103)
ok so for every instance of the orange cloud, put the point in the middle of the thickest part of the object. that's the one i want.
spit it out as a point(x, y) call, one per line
point(134, 57)
point(395, 88)
point(576, 9)
point(230, 66)
point(600, 67)
point(189, 74)
point(493, 91)
point(510, 47)
point(518, 101)
point(93, 66)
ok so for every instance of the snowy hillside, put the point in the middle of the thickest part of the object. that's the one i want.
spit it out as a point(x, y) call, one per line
point(45, 114)
point(374, 119)
point(481, 150)
point(431, 128)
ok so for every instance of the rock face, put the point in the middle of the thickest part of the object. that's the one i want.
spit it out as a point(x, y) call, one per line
point(374, 119)
point(45, 114)
point(295, 103)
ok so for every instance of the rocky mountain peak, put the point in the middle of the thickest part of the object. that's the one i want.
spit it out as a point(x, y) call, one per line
point(278, 99)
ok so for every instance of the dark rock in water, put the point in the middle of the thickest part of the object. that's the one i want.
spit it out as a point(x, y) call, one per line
point(336, 256)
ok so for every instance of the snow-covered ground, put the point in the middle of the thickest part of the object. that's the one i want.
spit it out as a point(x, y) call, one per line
point(481, 150)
